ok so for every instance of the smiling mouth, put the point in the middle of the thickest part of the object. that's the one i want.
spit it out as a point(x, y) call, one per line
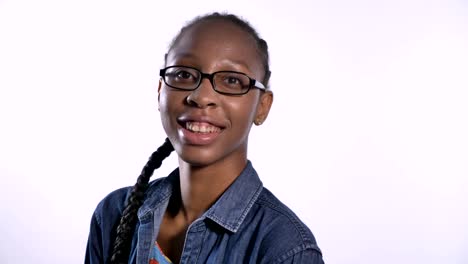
point(202, 127)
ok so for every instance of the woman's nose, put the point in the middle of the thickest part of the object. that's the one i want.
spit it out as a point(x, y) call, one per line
point(204, 96)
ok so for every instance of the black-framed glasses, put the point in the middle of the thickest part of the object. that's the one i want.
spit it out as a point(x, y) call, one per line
point(224, 82)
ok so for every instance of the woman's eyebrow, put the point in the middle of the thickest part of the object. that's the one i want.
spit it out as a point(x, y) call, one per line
point(240, 65)
point(236, 63)
point(183, 55)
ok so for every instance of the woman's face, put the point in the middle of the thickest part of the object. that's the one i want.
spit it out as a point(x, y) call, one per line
point(204, 126)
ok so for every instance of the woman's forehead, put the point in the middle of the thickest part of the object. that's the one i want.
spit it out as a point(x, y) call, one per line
point(209, 42)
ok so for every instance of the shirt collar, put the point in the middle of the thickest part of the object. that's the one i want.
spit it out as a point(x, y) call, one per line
point(229, 211)
point(158, 193)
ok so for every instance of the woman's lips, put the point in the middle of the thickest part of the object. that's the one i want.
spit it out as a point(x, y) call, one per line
point(202, 127)
point(198, 132)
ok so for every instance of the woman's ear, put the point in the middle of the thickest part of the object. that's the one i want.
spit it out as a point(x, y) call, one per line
point(159, 91)
point(265, 102)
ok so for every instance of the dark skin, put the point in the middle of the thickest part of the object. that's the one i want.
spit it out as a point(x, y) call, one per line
point(207, 170)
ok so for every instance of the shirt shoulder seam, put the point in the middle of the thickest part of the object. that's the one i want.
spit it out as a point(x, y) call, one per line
point(283, 210)
point(295, 251)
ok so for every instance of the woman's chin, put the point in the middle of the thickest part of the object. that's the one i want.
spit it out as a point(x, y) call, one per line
point(197, 157)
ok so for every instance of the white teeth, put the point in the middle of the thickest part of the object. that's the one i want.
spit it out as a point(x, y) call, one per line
point(201, 127)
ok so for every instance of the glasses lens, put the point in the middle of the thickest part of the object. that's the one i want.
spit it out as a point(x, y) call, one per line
point(231, 82)
point(182, 77)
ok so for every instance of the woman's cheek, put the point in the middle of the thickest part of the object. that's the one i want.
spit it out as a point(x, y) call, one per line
point(244, 110)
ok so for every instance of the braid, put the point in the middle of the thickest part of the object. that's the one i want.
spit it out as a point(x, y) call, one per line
point(121, 250)
point(262, 45)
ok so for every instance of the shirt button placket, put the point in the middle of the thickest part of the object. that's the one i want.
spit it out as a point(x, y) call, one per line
point(193, 243)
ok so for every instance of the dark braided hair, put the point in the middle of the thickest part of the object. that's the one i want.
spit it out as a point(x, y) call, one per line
point(126, 227)
point(128, 220)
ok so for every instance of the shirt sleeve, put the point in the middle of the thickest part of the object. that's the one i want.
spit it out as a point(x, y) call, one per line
point(94, 248)
point(308, 256)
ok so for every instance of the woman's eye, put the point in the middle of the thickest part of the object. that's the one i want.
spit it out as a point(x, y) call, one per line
point(233, 80)
point(183, 75)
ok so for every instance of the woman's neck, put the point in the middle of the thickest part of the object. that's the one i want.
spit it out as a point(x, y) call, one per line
point(201, 186)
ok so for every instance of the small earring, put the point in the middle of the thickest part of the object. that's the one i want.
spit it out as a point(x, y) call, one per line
point(258, 122)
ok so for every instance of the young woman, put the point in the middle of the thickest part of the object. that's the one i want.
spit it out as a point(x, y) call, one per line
point(213, 208)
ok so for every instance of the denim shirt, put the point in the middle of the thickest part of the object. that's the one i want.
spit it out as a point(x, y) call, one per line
point(247, 224)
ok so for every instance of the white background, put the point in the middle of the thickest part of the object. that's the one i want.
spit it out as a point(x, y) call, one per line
point(367, 140)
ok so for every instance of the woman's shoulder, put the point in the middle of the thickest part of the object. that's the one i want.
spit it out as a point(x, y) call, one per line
point(104, 221)
point(269, 203)
point(283, 232)
point(114, 203)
